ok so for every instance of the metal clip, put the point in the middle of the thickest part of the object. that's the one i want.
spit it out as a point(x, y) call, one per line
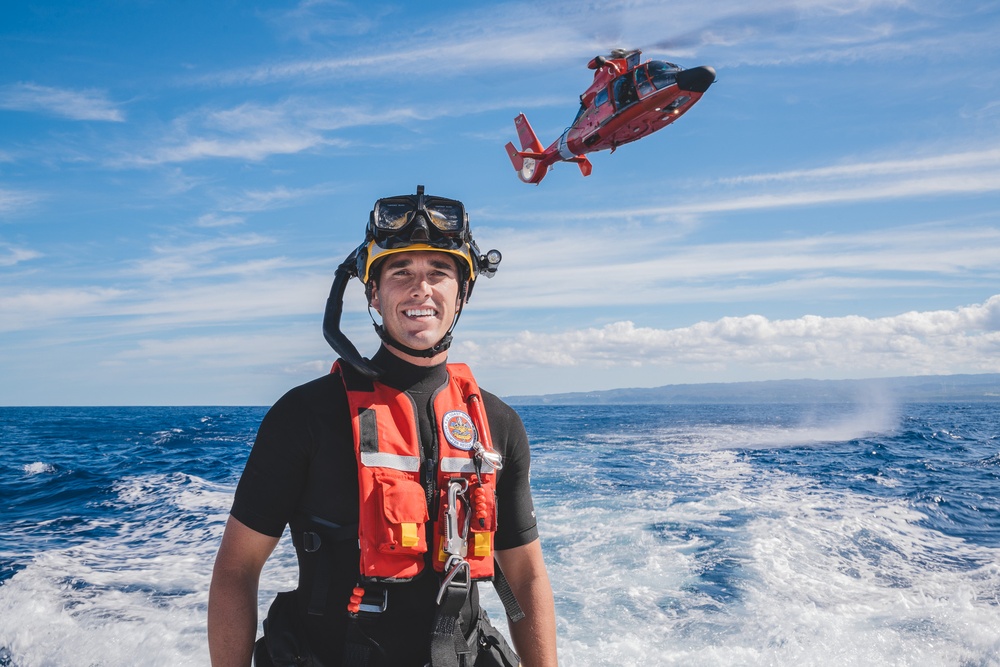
point(455, 540)
point(492, 458)
point(453, 566)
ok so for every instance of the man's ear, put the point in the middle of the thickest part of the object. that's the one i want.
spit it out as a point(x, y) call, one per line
point(373, 296)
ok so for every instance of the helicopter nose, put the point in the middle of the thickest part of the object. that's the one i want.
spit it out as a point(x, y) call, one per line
point(696, 79)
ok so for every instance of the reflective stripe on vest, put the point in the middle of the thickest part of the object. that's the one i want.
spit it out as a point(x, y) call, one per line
point(393, 509)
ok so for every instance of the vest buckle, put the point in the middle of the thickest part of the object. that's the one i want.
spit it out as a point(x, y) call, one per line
point(374, 602)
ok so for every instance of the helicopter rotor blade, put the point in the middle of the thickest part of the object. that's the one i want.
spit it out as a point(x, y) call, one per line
point(727, 28)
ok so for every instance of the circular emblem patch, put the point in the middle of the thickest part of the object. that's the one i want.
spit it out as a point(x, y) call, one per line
point(459, 429)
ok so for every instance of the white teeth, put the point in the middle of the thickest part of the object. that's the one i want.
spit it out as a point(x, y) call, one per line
point(420, 313)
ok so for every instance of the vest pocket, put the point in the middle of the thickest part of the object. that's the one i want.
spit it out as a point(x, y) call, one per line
point(402, 515)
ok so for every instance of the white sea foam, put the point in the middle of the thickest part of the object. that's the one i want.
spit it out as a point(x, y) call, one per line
point(812, 427)
point(137, 593)
point(38, 468)
point(765, 569)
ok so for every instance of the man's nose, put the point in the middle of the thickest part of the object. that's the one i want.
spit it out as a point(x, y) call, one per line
point(421, 286)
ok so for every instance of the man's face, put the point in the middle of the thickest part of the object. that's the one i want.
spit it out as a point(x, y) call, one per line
point(417, 296)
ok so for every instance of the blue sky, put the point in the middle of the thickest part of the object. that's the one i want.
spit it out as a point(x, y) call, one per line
point(178, 182)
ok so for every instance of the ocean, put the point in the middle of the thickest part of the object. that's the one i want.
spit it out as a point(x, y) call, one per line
point(769, 534)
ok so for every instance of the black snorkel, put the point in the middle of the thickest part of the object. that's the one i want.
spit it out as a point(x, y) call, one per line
point(331, 319)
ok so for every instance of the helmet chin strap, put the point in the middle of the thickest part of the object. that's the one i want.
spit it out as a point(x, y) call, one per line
point(432, 351)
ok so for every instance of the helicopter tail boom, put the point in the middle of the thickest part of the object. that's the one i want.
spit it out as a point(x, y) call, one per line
point(532, 161)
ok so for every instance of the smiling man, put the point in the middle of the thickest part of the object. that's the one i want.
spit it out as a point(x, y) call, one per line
point(403, 483)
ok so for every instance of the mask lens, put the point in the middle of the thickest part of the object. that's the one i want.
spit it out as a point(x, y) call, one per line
point(446, 216)
point(393, 215)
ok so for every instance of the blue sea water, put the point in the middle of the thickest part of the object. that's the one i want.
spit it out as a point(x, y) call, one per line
point(777, 534)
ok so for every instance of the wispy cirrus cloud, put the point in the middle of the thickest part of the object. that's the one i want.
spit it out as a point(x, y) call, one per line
point(12, 201)
point(257, 131)
point(11, 255)
point(210, 220)
point(248, 201)
point(585, 274)
point(510, 34)
point(310, 19)
point(88, 104)
point(966, 339)
point(947, 175)
point(198, 259)
point(29, 308)
point(933, 164)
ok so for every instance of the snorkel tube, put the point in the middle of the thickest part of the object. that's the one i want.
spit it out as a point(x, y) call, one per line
point(331, 319)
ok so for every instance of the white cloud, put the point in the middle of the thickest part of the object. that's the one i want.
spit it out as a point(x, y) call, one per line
point(507, 35)
point(599, 275)
point(320, 18)
point(38, 307)
point(65, 103)
point(933, 164)
point(197, 259)
point(257, 131)
point(966, 339)
point(937, 185)
point(252, 148)
point(277, 197)
point(11, 255)
point(220, 349)
point(15, 200)
point(215, 220)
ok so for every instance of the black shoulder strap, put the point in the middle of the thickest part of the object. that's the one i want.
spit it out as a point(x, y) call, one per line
point(310, 543)
point(506, 595)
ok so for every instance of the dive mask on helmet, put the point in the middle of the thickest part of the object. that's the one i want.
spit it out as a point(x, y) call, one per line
point(407, 219)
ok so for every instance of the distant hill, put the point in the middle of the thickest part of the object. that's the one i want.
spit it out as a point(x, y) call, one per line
point(926, 388)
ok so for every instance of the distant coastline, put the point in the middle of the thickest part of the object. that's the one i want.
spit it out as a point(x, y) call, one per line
point(916, 389)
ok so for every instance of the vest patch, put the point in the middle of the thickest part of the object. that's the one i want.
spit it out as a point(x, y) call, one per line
point(459, 430)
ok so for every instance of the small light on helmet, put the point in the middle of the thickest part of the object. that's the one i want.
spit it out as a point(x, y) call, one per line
point(490, 261)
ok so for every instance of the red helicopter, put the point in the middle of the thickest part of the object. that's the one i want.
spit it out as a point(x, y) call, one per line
point(626, 101)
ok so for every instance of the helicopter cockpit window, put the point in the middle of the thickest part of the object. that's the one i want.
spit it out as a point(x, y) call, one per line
point(642, 82)
point(663, 74)
point(625, 91)
point(601, 98)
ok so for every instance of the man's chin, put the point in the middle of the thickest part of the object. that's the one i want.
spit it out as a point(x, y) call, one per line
point(421, 341)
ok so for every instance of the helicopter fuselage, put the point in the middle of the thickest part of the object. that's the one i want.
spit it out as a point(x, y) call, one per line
point(626, 101)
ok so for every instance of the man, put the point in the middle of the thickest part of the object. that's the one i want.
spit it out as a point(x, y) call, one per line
point(403, 484)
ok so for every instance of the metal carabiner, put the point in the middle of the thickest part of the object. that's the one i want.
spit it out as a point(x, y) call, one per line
point(453, 566)
point(455, 540)
point(492, 458)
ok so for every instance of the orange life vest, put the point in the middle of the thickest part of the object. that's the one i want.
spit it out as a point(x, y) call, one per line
point(393, 502)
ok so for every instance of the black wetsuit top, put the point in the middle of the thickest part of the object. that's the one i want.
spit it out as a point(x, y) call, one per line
point(303, 463)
